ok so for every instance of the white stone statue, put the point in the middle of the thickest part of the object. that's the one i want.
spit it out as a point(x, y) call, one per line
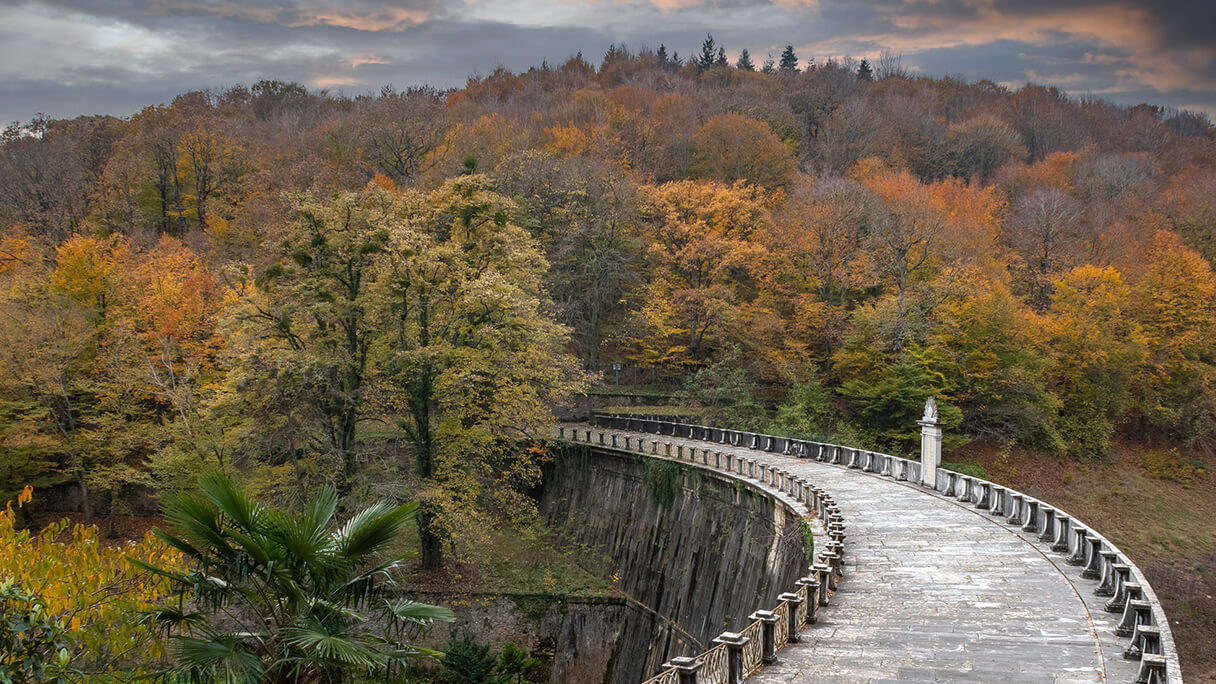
point(930, 410)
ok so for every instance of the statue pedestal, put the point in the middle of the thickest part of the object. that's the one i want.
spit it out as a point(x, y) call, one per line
point(930, 452)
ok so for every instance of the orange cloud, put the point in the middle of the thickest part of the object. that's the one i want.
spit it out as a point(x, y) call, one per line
point(1127, 28)
point(383, 19)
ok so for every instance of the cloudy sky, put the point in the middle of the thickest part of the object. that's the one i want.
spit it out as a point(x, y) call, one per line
point(67, 58)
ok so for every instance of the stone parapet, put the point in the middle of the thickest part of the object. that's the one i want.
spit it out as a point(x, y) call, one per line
point(1130, 595)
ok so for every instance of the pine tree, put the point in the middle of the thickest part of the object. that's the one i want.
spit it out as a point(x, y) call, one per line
point(720, 60)
point(662, 55)
point(789, 61)
point(745, 62)
point(708, 54)
point(769, 65)
point(864, 72)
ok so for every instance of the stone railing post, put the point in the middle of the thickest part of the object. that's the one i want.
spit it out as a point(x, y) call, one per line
point(822, 571)
point(1106, 586)
point(1077, 557)
point(1032, 517)
point(812, 596)
point(792, 603)
point(686, 667)
point(1063, 524)
point(1049, 524)
point(1123, 573)
point(1016, 504)
point(768, 621)
point(1093, 568)
point(930, 444)
point(997, 504)
point(734, 655)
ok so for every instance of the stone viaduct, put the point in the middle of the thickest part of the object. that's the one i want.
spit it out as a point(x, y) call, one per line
point(921, 574)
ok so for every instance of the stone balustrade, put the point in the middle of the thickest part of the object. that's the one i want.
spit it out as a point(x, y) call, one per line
point(734, 656)
point(1143, 621)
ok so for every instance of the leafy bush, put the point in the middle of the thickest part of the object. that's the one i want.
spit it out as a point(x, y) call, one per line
point(1169, 465)
point(33, 641)
point(97, 596)
point(468, 662)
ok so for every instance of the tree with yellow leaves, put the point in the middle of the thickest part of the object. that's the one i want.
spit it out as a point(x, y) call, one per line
point(1097, 346)
point(1175, 302)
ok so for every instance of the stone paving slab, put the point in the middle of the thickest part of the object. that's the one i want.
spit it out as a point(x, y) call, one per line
point(936, 591)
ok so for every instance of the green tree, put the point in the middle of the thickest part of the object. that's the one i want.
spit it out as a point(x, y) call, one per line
point(724, 393)
point(745, 62)
point(808, 411)
point(308, 313)
point(709, 53)
point(469, 346)
point(789, 61)
point(864, 71)
point(995, 361)
point(886, 385)
point(276, 597)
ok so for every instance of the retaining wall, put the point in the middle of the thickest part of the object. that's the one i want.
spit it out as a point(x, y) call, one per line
point(732, 544)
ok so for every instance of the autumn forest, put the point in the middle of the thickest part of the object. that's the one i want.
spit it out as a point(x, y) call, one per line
point(386, 295)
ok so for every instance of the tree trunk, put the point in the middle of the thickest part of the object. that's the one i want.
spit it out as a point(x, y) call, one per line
point(430, 542)
point(84, 497)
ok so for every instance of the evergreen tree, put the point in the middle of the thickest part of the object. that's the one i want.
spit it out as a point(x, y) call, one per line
point(745, 62)
point(769, 65)
point(864, 72)
point(720, 60)
point(662, 55)
point(789, 61)
point(709, 53)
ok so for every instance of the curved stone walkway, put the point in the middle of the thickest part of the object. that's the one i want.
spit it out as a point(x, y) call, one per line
point(936, 591)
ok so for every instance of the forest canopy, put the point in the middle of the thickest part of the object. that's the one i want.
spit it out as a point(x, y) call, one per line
point(319, 289)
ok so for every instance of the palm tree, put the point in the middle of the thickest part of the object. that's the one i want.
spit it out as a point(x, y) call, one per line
point(277, 597)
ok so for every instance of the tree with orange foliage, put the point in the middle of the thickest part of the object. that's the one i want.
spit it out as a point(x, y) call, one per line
point(819, 233)
point(701, 256)
point(904, 238)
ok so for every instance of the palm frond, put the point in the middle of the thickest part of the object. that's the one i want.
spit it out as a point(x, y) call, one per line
point(416, 612)
point(253, 544)
point(371, 530)
point(197, 521)
point(230, 501)
point(339, 649)
point(167, 616)
point(321, 512)
point(179, 544)
point(304, 545)
point(221, 651)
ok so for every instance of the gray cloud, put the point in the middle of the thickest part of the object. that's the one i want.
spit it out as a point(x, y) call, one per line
point(74, 57)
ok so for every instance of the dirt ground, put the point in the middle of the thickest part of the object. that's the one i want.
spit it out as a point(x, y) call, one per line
point(1168, 527)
